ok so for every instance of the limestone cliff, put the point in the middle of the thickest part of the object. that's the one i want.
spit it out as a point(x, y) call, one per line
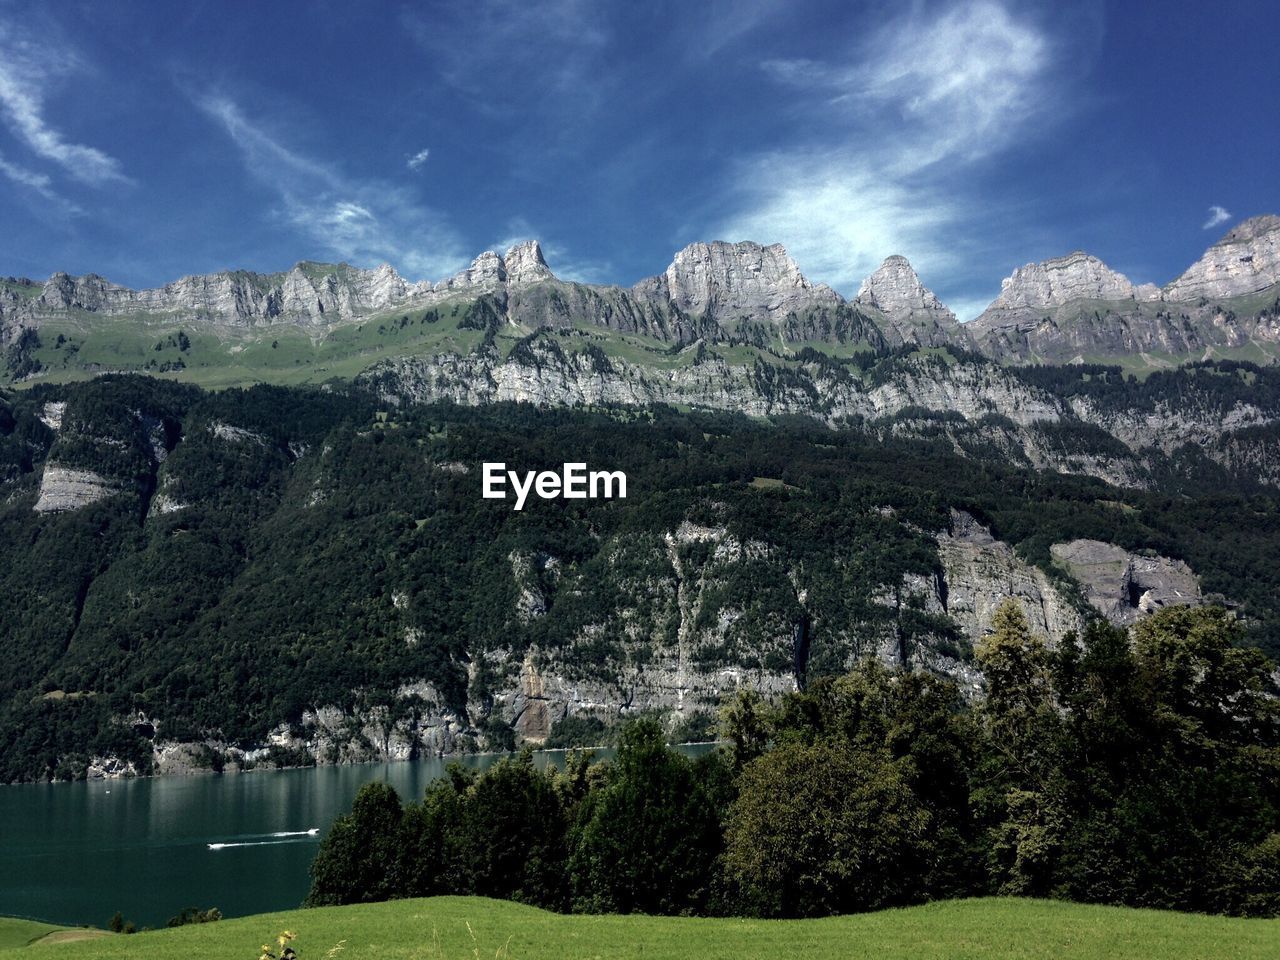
point(728, 281)
point(65, 488)
point(309, 293)
point(1245, 261)
point(550, 374)
point(1076, 309)
point(1124, 586)
point(982, 572)
point(1062, 280)
point(1067, 309)
point(913, 313)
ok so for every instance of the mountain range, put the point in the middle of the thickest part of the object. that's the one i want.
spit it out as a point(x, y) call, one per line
point(1070, 309)
point(303, 570)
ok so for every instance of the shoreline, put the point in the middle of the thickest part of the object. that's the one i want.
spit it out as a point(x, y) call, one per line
point(238, 770)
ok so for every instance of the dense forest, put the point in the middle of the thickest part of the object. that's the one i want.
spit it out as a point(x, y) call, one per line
point(1138, 769)
point(255, 554)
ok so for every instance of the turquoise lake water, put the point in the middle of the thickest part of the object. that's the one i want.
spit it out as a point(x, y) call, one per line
point(75, 853)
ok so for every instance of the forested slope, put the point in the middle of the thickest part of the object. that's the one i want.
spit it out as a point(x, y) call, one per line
point(287, 574)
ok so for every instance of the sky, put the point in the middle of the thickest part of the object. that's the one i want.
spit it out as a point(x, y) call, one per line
point(147, 141)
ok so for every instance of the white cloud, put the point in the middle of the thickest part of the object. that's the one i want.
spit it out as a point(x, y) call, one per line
point(418, 159)
point(963, 82)
point(566, 266)
point(25, 71)
point(892, 136)
point(708, 28)
point(838, 216)
point(28, 178)
point(359, 221)
point(41, 184)
point(1217, 216)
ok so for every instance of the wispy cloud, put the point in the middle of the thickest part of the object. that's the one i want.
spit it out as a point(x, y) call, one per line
point(917, 107)
point(39, 182)
point(418, 159)
point(362, 221)
point(709, 28)
point(1217, 216)
point(26, 70)
point(506, 56)
point(838, 215)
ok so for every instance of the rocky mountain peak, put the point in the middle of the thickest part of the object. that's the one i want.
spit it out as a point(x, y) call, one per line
point(914, 312)
point(720, 278)
point(895, 290)
point(524, 263)
point(1244, 261)
point(90, 292)
point(1061, 280)
point(1035, 289)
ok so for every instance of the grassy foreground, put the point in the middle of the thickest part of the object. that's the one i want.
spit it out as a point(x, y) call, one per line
point(19, 933)
point(470, 927)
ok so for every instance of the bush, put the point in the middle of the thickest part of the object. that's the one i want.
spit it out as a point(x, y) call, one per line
point(356, 861)
point(819, 829)
point(648, 839)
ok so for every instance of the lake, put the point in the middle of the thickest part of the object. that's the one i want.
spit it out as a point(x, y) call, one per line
point(75, 853)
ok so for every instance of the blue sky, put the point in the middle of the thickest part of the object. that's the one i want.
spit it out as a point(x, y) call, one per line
point(147, 141)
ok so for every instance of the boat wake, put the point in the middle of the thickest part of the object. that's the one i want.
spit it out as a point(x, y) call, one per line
point(271, 839)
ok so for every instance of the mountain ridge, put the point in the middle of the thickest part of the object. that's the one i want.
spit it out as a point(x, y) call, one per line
point(1073, 308)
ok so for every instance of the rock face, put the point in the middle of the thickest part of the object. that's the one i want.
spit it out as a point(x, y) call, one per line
point(1245, 261)
point(1035, 287)
point(549, 374)
point(63, 488)
point(522, 265)
point(913, 312)
point(1123, 586)
point(308, 293)
point(1065, 310)
point(982, 572)
point(980, 408)
point(728, 280)
point(1076, 309)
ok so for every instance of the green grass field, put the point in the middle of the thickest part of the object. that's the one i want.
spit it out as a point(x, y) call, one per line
point(449, 927)
point(18, 933)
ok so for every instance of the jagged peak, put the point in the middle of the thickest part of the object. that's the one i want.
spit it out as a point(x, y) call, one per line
point(745, 246)
point(732, 263)
point(525, 249)
point(744, 251)
point(913, 311)
point(896, 283)
point(62, 278)
point(524, 263)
